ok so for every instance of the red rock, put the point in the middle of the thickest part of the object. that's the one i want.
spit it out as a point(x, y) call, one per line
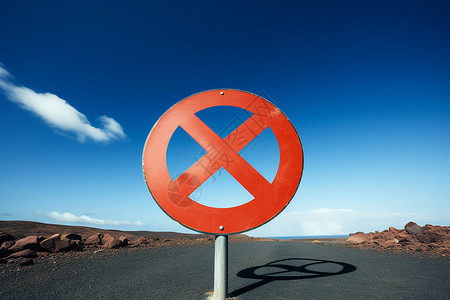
point(110, 242)
point(56, 244)
point(439, 235)
point(371, 235)
point(446, 244)
point(413, 228)
point(434, 245)
point(4, 237)
point(393, 230)
point(76, 245)
point(391, 243)
point(424, 238)
point(144, 241)
point(413, 238)
point(25, 261)
point(359, 232)
point(49, 244)
point(24, 253)
point(21, 261)
point(377, 242)
point(402, 234)
point(73, 236)
point(387, 235)
point(123, 241)
point(29, 242)
point(8, 244)
point(407, 241)
point(63, 245)
point(95, 239)
point(418, 247)
point(358, 238)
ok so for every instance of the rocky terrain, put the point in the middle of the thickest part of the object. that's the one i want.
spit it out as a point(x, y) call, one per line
point(21, 229)
point(23, 242)
point(428, 238)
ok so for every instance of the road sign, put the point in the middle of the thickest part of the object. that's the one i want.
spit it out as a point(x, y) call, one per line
point(270, 198)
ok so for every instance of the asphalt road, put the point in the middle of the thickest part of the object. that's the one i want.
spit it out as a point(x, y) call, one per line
point(257, 270)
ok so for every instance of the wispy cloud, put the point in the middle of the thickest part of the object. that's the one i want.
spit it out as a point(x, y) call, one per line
point(337, 221)
point(86, 220)
point(322, 221)
point(330, 210)
point(58, 113)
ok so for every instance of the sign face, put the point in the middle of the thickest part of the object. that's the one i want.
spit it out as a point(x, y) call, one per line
point(270, 199)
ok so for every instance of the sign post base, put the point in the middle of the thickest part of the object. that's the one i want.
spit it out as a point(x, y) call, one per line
point(221, 267)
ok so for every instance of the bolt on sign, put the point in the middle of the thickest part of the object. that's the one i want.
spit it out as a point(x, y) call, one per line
point(270, 199)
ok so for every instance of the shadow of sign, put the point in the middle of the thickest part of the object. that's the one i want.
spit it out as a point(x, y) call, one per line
point(291, 269)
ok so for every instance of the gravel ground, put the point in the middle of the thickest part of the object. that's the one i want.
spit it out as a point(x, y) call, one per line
point(257, 270)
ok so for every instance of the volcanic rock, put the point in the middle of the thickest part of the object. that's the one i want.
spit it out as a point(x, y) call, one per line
point(358, 238)
point(392, 244)
point(49, 244)
point(56, 244)
point(63, 245)
point(8, 244)
point(76, 244)
point(28, 253)
point(21, 261)
point(418, 247)
point(5, 237)
point(406, 239)
point(110, 242)
point(123, 241)
point(29, 242)
point(412, 238)
point(25, 261)
point(425, 238)
point(413, 228)
point(73, 236)
point(402, 234)
point(144, 241)
point(95, 239)
point(393, 230)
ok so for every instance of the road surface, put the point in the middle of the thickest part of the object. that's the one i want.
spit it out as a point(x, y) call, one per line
point(257, 270)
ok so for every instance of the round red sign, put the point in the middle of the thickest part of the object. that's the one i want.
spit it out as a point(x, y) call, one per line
point(270, 199)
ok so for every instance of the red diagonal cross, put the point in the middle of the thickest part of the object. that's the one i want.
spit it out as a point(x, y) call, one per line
point(239, 168)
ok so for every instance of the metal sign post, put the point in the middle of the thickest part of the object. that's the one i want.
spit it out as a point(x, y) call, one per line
point(221, 267)
point(270, 198)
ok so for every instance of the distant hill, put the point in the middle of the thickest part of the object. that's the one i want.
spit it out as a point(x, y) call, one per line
point(21, 229)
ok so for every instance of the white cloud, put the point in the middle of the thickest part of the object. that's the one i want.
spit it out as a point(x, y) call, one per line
point(329, 210)
point(322, 221)
point(3, 73)
point(338, 221)
point(86, 220)
point(58, 113)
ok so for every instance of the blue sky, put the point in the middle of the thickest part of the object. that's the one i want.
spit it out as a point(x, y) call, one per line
point(365, 83)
